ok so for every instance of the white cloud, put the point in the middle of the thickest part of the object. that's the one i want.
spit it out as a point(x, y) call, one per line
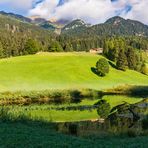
point(139, 11)
point(92, 11)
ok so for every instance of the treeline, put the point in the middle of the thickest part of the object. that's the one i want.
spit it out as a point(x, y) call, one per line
point(85, 43)
point(126, 52)
point(16, 35)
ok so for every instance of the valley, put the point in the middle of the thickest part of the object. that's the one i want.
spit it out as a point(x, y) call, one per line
point(73, 84)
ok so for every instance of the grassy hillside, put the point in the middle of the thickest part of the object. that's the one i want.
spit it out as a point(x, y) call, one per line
point(60, 71)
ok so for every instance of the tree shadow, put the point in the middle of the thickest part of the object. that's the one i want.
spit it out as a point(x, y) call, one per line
point(139, 91)
point(112, 65)
point(93, 69)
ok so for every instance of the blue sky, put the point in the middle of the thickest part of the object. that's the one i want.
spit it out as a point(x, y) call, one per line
point(91, 11)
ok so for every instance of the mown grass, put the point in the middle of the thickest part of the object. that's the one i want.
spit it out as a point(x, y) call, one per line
point(61, 71)
point(33, 135)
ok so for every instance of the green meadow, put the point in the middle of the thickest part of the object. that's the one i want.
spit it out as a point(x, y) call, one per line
point(61, 71)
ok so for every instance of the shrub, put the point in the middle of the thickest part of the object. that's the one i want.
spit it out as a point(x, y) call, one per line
point(102, 67)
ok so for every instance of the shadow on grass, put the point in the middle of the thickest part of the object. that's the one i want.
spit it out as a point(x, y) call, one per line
point(93, 69)
point(132, 91)
point(141, 91)
point(112, 65)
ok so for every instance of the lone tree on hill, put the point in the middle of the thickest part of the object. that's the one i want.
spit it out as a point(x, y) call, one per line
point(122, 61)
point(102, 67)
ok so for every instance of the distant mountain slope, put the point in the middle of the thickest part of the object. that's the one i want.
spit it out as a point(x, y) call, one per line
point(16, 16)
point(113, 26)
point(14, 33)
point(76, 27)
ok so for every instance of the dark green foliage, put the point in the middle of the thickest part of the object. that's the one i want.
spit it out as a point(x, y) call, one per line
point(103, 108)
point(75, 96)
point(15, 34)
point(38, 134)
point(122, 61)
point(102, 67)
point(1, 51)
point(145, 123)
point(131, 58)
point(68, 47)
point(31, 47)
point(55, 47)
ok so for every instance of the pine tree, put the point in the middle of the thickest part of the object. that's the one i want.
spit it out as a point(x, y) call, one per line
point(55, 47)
point(122, 61)
point(31, 46)
point(68, 47)
point(131, 58)
point(1, 50)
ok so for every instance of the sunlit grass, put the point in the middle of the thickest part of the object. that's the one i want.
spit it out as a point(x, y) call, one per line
point(60, 71)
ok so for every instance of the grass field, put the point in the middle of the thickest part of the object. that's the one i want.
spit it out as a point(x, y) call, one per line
point(60, 71)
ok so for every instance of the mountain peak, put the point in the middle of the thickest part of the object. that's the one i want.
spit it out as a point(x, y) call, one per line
point(115, 20)
point(78, 23)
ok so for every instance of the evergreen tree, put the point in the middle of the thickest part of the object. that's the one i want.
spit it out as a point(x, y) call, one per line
point(1, 50)
point(55, 47)
point(122, 61)
point(131, 58)
point(31, 46)
point(68, 47)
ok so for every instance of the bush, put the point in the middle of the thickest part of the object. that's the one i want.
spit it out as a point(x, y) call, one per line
point(102, 67)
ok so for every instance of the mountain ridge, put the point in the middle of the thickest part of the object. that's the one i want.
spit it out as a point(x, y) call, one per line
point(113, 26)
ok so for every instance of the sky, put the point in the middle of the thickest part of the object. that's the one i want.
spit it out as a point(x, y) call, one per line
point(91, 11)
